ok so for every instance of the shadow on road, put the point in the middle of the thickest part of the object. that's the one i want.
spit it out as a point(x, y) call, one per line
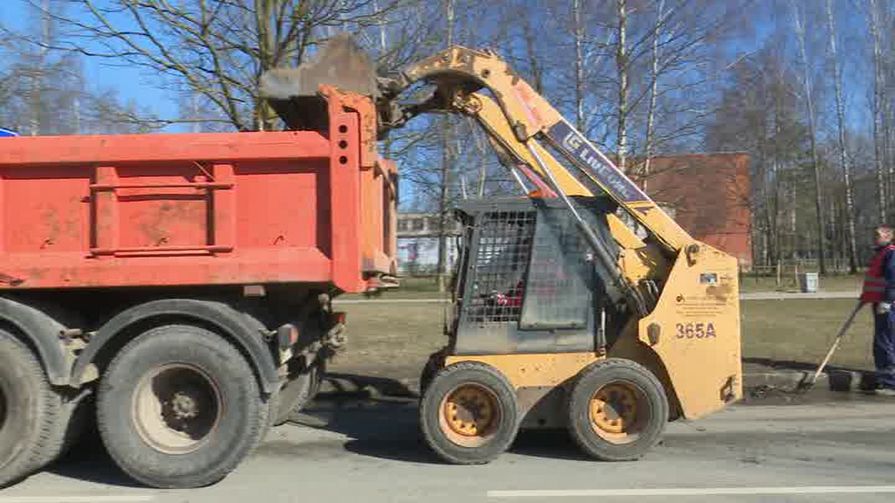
point(384, 428)
point(552, 444)
point(363, 385)
point(387, 426)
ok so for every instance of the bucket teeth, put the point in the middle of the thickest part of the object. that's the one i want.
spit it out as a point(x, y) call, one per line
point(340, 63)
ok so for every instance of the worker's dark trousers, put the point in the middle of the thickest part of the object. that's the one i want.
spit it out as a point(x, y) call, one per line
point(884, 348)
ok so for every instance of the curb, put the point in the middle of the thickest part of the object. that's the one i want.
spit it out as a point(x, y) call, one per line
point(783, 379)
point(799, 295)
point(832, 379)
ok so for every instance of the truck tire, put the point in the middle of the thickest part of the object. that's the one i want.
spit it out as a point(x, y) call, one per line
point(469, 414)
point(617, 410)
point(28, 411)
point(180, 407)
point(71, 421)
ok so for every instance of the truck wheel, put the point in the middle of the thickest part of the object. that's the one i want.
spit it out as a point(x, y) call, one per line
point(72, 420)
point(180, 407)
point(617, 410)
point(468, 413)
point(28, 411)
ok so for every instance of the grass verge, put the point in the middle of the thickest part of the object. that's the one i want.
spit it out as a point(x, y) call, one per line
point(394, 340)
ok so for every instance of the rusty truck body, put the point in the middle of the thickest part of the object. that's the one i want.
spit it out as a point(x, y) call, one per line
point(224, 247)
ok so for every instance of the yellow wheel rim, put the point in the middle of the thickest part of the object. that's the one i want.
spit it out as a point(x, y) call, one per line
point(613, 412)
point(469, 414)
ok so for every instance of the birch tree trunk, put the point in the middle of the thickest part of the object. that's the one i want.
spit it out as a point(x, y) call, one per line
point(447, 161)
point(812, 133)
point(579, 64)
point(37, 70)
point(888, 118)
point(264, 115)
point(843, 155)
point(621, 63)
point(877, 103)
point(653, 95)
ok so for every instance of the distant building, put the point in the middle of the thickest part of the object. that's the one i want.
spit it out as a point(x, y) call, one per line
point(707, 194)
point(710, 197)
point(418, 243)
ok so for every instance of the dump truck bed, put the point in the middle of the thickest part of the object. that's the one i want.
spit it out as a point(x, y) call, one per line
point(198, 209)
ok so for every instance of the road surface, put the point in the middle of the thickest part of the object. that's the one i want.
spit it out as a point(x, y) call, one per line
point(822, 449)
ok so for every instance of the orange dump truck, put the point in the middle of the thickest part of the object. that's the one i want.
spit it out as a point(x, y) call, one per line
point(184, 280)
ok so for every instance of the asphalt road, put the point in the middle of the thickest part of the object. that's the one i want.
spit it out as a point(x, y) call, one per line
point(825, 448)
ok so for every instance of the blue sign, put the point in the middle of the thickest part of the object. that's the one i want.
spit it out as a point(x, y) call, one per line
point(576, 147)
point(6, 132)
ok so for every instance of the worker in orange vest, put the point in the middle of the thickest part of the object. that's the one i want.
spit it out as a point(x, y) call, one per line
point(879, 290)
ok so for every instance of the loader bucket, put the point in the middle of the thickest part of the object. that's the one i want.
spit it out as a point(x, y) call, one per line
point(340, 63)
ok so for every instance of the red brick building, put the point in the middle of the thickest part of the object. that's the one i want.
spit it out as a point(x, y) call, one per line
point(709, 194)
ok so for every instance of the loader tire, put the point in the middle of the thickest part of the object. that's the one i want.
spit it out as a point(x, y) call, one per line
point(180, 407)
point(469, 414)
point(617, 410)
point(29, 410)
point(432, 366)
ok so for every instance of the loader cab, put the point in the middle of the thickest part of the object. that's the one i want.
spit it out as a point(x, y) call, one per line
point(526, 280)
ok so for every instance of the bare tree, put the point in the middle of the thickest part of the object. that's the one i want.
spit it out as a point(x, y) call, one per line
point(621, 62)
point(879, 98)
point(843, 154)
point(759, 113)
point(530, 37)
point(812, 134)
point(217, 48)
point(447, 161)
point(578, 35)
point(37, 70)
point(653, 95)
point(44, 91)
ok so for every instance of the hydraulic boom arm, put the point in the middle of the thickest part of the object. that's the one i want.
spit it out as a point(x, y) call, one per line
point(529, 129)
point(530, 124)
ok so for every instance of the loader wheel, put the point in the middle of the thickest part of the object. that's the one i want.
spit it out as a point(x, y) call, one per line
point(432, 366)
point(468, 413)
point(28, 411)
point(617, 410)
point(180, 407)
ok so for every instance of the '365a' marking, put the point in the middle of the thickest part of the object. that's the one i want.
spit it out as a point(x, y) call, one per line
point(695, 330)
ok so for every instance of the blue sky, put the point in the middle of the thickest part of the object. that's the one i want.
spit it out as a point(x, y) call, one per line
point(145, 89)
point(133, 84)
